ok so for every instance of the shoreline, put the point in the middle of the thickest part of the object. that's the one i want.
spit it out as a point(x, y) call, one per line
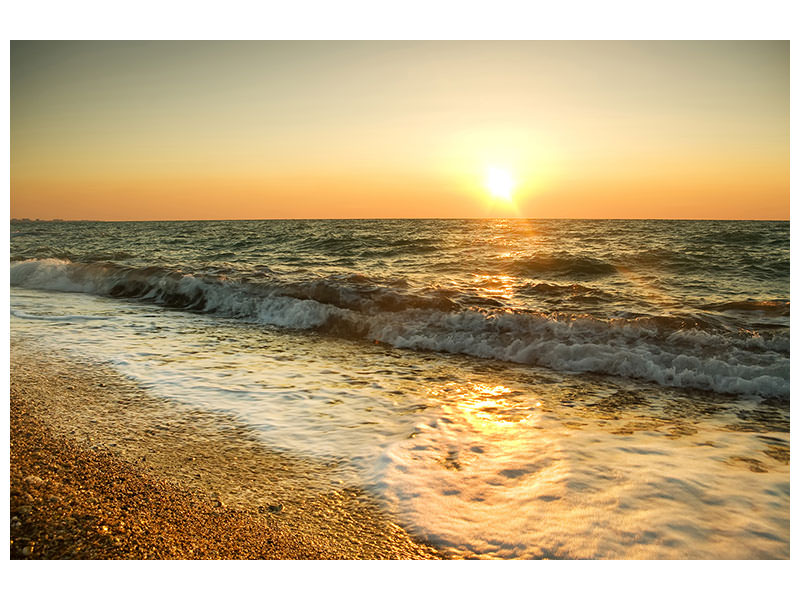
point(102, 470)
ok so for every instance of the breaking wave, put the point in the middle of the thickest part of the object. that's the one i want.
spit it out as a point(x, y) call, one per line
point(668, 350)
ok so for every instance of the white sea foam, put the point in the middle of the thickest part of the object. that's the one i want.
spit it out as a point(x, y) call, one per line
point(540, 491)
point(745, 364)
point(507, 462)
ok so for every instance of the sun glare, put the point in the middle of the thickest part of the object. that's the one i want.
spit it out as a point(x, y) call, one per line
point(500, 183)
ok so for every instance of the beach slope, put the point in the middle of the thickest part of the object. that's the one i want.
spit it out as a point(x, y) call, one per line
point(102, 470)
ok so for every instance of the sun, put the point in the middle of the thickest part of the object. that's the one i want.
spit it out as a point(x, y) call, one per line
point(500, 183)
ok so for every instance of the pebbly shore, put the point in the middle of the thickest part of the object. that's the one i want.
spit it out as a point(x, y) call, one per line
point(99, 469)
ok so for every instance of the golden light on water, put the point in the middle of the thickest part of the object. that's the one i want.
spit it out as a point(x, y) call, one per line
point(495, 285)
point(485, 407)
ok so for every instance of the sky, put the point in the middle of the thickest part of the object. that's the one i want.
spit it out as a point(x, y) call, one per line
point(258, 130)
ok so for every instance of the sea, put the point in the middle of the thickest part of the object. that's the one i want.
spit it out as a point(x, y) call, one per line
point(503, 388)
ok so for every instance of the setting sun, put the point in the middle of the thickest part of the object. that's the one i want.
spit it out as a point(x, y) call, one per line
point(500, 183)
point(460, 300)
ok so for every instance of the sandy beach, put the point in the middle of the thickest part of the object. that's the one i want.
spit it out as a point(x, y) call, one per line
point(102, 470)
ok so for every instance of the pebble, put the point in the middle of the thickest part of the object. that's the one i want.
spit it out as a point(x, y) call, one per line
point(33, 480)
point(93, 490)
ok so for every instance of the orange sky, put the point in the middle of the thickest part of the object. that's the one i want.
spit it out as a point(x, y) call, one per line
point(233, 130)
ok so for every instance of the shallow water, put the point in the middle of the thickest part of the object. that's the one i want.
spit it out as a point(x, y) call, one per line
point(577, 410)
point(481, 457)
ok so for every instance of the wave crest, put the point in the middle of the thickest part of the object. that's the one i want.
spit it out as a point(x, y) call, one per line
point(667, 350)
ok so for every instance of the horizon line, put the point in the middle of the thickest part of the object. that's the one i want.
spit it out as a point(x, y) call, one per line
point(60, 220)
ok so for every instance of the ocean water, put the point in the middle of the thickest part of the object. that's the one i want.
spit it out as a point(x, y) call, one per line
point(504, 388)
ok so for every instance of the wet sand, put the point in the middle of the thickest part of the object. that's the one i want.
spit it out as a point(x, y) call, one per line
point(102, 470)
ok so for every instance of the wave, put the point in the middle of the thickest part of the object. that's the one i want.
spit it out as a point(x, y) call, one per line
point(564, 265)
point(573, 291)
point(668, 350)
point(23, 315)
point(769, 307)
point(83, 257)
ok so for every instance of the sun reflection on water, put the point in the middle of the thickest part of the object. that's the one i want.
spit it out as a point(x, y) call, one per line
point(495, 285)
point(485, 407)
